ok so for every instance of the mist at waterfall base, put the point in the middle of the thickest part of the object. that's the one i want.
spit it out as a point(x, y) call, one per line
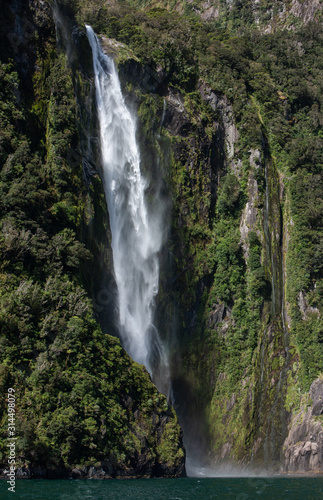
point(137, 232)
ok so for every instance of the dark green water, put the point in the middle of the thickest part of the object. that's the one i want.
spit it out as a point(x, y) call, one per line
point(289, 488)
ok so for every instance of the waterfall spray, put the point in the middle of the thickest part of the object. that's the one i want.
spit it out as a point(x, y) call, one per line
point(136, 233)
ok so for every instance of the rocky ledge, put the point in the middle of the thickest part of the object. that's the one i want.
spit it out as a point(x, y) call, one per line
point(303, 447)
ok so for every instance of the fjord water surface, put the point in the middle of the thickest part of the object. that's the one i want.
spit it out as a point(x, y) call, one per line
point(264, 488)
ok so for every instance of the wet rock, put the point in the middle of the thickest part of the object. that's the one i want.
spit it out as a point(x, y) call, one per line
point(226, 450)
point(22, 473)
point(76, 474)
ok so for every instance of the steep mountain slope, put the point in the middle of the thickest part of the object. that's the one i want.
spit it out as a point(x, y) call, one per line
point(83, 408)
point(230, 116)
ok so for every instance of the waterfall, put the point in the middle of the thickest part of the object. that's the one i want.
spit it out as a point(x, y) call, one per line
point(136, 231)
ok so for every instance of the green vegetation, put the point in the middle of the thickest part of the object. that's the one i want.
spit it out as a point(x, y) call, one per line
point(225, 288)
point(80, 400)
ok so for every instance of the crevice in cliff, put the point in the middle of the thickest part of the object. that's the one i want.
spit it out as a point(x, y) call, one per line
point(274, 356)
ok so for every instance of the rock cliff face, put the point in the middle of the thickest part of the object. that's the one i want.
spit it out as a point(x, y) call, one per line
point(211, 409)
point(267, 16)
point(303, 447)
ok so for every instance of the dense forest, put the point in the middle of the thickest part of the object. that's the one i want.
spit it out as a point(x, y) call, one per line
point(229, 106)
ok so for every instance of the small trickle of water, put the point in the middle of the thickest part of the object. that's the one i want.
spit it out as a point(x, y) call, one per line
point(269, 246)
point(136, 234)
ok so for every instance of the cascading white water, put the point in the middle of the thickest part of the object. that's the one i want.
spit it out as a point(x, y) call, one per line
point(136, 234)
